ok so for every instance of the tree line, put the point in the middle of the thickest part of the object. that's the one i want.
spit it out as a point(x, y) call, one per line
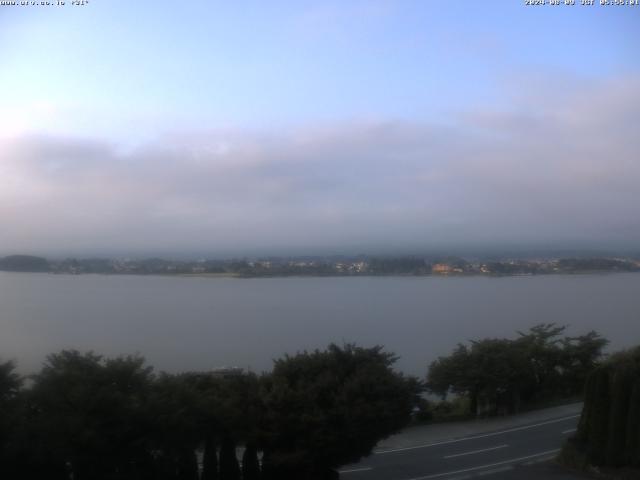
point(84, 416)
point(317, 266)
point(500, 375)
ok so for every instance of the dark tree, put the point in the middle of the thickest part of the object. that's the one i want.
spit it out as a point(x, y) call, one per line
point(210, 460)
point(499, 375)
point(329, 408)
point(609, 429)
point(229, 468)
point(621, 387)
point(89, 417)
point(580, 356)
point(632, 444)
point(175, 430)
point(24, 263)
point(187, 465)
point(89, 414)
point(250, 464)
point(10, 383)
point(492, 373)
point(453, 374)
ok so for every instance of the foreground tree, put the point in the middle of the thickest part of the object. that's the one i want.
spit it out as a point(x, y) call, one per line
point(210, 460)
point(492, 374)
point(229, 467)
point(176, 429)
point(228, 411)
point(580, 356)
point(250, 463)
point(453, 374)
point(608, 434)
point(88, 415)
point(499, 375)
point(329, 408)
point(10, 383)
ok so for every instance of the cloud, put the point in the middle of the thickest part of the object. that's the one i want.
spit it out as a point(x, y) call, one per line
point(556, 169)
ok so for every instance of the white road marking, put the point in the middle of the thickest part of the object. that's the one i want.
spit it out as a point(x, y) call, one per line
point(493, 471)
point(476, 451)
point(538, 460)
point(571, 430)
point(515, 429)
point(481, 467)
point(363, 469)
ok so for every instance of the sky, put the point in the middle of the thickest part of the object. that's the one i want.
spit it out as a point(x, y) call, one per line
point(317, 127)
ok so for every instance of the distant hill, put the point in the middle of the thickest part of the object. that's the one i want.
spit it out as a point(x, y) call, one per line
point(24, 263)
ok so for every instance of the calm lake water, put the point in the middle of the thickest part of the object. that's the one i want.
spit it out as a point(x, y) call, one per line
point(182, 323)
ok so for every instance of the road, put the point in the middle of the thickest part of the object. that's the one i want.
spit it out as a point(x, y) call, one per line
point(521, 449)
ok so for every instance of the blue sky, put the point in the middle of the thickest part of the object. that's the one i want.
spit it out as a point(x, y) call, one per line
point(128, 68)
point(130, 78)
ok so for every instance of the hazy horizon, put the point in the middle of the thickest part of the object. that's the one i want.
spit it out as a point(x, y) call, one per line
point(494, 252)
point(469, 252)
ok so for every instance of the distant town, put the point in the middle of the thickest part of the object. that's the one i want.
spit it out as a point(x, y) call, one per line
point(319, 266)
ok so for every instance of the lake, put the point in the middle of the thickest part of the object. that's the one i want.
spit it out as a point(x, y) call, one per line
point(182, 323)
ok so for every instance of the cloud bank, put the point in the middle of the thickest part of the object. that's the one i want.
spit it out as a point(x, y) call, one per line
point(558, 168)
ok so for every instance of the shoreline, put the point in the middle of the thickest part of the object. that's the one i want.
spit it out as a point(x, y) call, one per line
point(297, 275)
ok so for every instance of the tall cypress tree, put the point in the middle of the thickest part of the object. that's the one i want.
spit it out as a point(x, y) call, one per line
point(586, 418)
point(267, 471)
point(632, 443)
point(621, 387)
point(250, 464)
point(229, 468)
point(609, 429)
point(187, 465)
point(210, 460)
point(599, 417)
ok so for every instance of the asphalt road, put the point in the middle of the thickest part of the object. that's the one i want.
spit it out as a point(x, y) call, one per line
point(519, 452)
